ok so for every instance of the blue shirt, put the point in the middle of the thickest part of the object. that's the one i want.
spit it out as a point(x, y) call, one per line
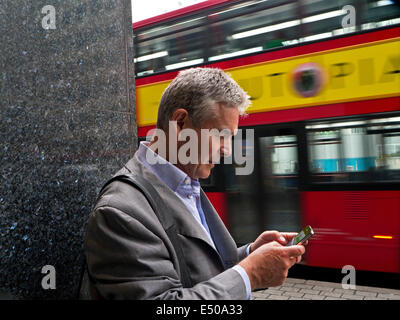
point(188, 190)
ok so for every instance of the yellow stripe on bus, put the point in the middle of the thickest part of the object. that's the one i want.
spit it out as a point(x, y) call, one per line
point(361, 72)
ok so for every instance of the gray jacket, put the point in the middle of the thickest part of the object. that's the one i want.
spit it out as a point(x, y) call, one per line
point(130, 256)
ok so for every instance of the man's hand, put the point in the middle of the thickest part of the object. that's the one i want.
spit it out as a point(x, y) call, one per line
point(268, 264)
point(268, 236)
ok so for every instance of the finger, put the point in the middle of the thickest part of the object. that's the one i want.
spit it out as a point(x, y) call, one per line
point(273, 235)
point(295, 251)
point(289, 235)
point(272, 244)
point(298, 259)
point(293, 261)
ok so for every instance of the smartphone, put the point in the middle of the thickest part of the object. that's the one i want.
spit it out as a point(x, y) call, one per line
point(302, 236)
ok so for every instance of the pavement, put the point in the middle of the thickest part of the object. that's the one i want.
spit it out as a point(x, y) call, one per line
point(300, 289)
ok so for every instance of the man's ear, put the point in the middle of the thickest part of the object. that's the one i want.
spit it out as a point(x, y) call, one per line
point(180, 116)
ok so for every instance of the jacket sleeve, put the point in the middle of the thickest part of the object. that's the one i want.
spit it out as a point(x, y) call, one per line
point(242, 251)
point(129, 260)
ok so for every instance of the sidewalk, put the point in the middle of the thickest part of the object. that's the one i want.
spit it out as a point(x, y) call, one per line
point(300, 289)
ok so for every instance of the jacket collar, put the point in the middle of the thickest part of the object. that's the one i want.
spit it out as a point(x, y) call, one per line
point(171, 175)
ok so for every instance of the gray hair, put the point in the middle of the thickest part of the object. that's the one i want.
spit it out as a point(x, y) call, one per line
point(197, 90)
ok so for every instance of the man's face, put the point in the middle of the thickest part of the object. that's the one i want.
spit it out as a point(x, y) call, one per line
point(214, 145)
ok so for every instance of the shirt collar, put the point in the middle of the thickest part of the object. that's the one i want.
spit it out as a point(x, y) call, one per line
point(168, 173)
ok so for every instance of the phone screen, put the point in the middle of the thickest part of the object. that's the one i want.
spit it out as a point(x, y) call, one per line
point(303, 235)
point(298, 238)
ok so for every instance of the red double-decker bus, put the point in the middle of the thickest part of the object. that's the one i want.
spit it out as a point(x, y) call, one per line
point(324, 80)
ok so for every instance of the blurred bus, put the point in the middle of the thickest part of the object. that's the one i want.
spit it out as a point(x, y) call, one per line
point(324, 80)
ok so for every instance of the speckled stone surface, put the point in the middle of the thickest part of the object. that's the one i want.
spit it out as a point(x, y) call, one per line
point(68, 122)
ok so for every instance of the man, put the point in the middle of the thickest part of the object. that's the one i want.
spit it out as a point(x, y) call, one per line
point(130, 256)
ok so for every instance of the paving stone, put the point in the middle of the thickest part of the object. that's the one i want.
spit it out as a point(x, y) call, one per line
point(307, 291)
point(276, 297)
point(344, 291)
point(290, 284)
point(332, 294)
point(322, 288)
point(324, 284)
point(273, 291)
point(293, 294)
point(389, 296)
point(294, 280)
point(366, 293)
point(377, 290)
point(303, 286)
point(259, 295)
point(373, 298)
point(352, 297)
point(313, 297)
point(291, 289)
point(332, 298)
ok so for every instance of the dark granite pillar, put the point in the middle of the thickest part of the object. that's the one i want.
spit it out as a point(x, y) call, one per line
point(68, 122)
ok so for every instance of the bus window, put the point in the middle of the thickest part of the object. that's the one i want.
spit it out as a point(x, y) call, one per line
point(386, 133)
point(237, 34)
point(360, 150)
point(177, 48)
point(279, 162)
